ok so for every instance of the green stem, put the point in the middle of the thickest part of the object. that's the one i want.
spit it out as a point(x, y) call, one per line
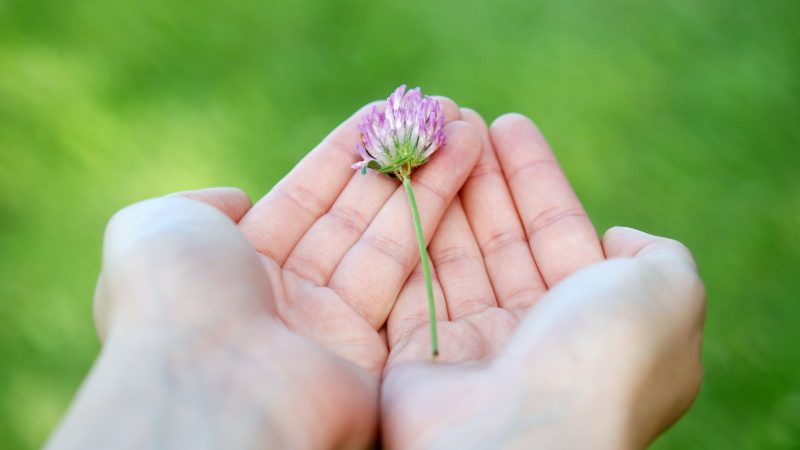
point(426, 269)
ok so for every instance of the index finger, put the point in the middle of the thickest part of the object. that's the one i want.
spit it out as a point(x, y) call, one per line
point(277, 222)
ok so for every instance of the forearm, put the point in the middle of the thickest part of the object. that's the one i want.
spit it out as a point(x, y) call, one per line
point(499, 406)
point(544, 420)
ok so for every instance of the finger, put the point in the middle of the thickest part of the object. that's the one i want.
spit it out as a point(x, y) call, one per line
point(457, 258)
point(279, 220)
point(327, 241)
point(561, 236)
point(623, 242)
point(411, 311)
point(233, 202)
point(372, 272)
point(494, 220)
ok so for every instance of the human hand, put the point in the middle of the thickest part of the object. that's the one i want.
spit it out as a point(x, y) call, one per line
point(206, 320)
point(548, 337)
point(194, 352)
point(338, 246)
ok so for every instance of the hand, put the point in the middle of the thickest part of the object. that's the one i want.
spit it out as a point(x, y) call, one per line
point(338, 246)
point(259, 328)
point(549, 338)
point(194, 354)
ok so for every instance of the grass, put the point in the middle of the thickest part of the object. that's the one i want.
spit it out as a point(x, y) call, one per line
point(680, 118)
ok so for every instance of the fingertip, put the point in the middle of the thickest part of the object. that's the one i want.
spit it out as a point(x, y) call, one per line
point(449, 108)
point(487, 161)
point(511, 119)
point(472, 117)
point(515, 126)
point(615, 236)
point(231, 201)
point(514, 135)
point(463, 137)
point(625, 242)
point(212, 192)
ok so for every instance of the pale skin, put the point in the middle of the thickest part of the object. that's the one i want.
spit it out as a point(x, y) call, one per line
point(301, 321)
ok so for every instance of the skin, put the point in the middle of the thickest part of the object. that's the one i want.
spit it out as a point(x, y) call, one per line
point(281, 324)
point(544, 329)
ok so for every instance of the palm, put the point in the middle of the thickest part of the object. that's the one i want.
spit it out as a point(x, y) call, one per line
point(498, 248)
point(517, 230)
point(338, 246)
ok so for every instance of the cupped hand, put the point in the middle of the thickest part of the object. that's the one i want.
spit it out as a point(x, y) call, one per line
point(548, 336)
point(338, 246)
point(194, 352)
point(261, 328)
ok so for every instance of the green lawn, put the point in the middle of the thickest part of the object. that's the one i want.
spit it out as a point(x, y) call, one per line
point(681, 118)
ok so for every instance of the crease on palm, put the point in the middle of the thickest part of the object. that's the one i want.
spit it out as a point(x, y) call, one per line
point(341, 277)
point(339, 233)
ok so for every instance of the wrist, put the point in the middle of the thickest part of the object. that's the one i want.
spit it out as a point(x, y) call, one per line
point(564, 411)
point(148, 391)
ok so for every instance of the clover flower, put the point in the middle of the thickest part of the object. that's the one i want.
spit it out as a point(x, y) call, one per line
point(395, 141)
point(402, 136)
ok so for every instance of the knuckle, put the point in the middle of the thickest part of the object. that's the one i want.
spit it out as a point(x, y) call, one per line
point(552, 216)
point(392, 249)
point(502, 239)
point(349, 218)
point(434, 188)
point(532, 166)
point(302, 197)
point(451, 255)
point(512, 120)
point(486, 169)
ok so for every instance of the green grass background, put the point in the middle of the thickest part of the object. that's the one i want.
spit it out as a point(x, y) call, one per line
point(680, 118)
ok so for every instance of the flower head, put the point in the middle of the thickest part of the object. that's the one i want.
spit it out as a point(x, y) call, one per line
point(402, 136)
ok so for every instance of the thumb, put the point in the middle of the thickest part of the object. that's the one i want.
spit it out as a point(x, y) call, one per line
point(623, 242)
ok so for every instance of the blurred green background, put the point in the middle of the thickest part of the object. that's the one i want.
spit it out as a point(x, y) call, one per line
point(681, 118)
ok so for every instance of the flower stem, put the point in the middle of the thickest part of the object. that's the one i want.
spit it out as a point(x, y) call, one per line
point(426, 269)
